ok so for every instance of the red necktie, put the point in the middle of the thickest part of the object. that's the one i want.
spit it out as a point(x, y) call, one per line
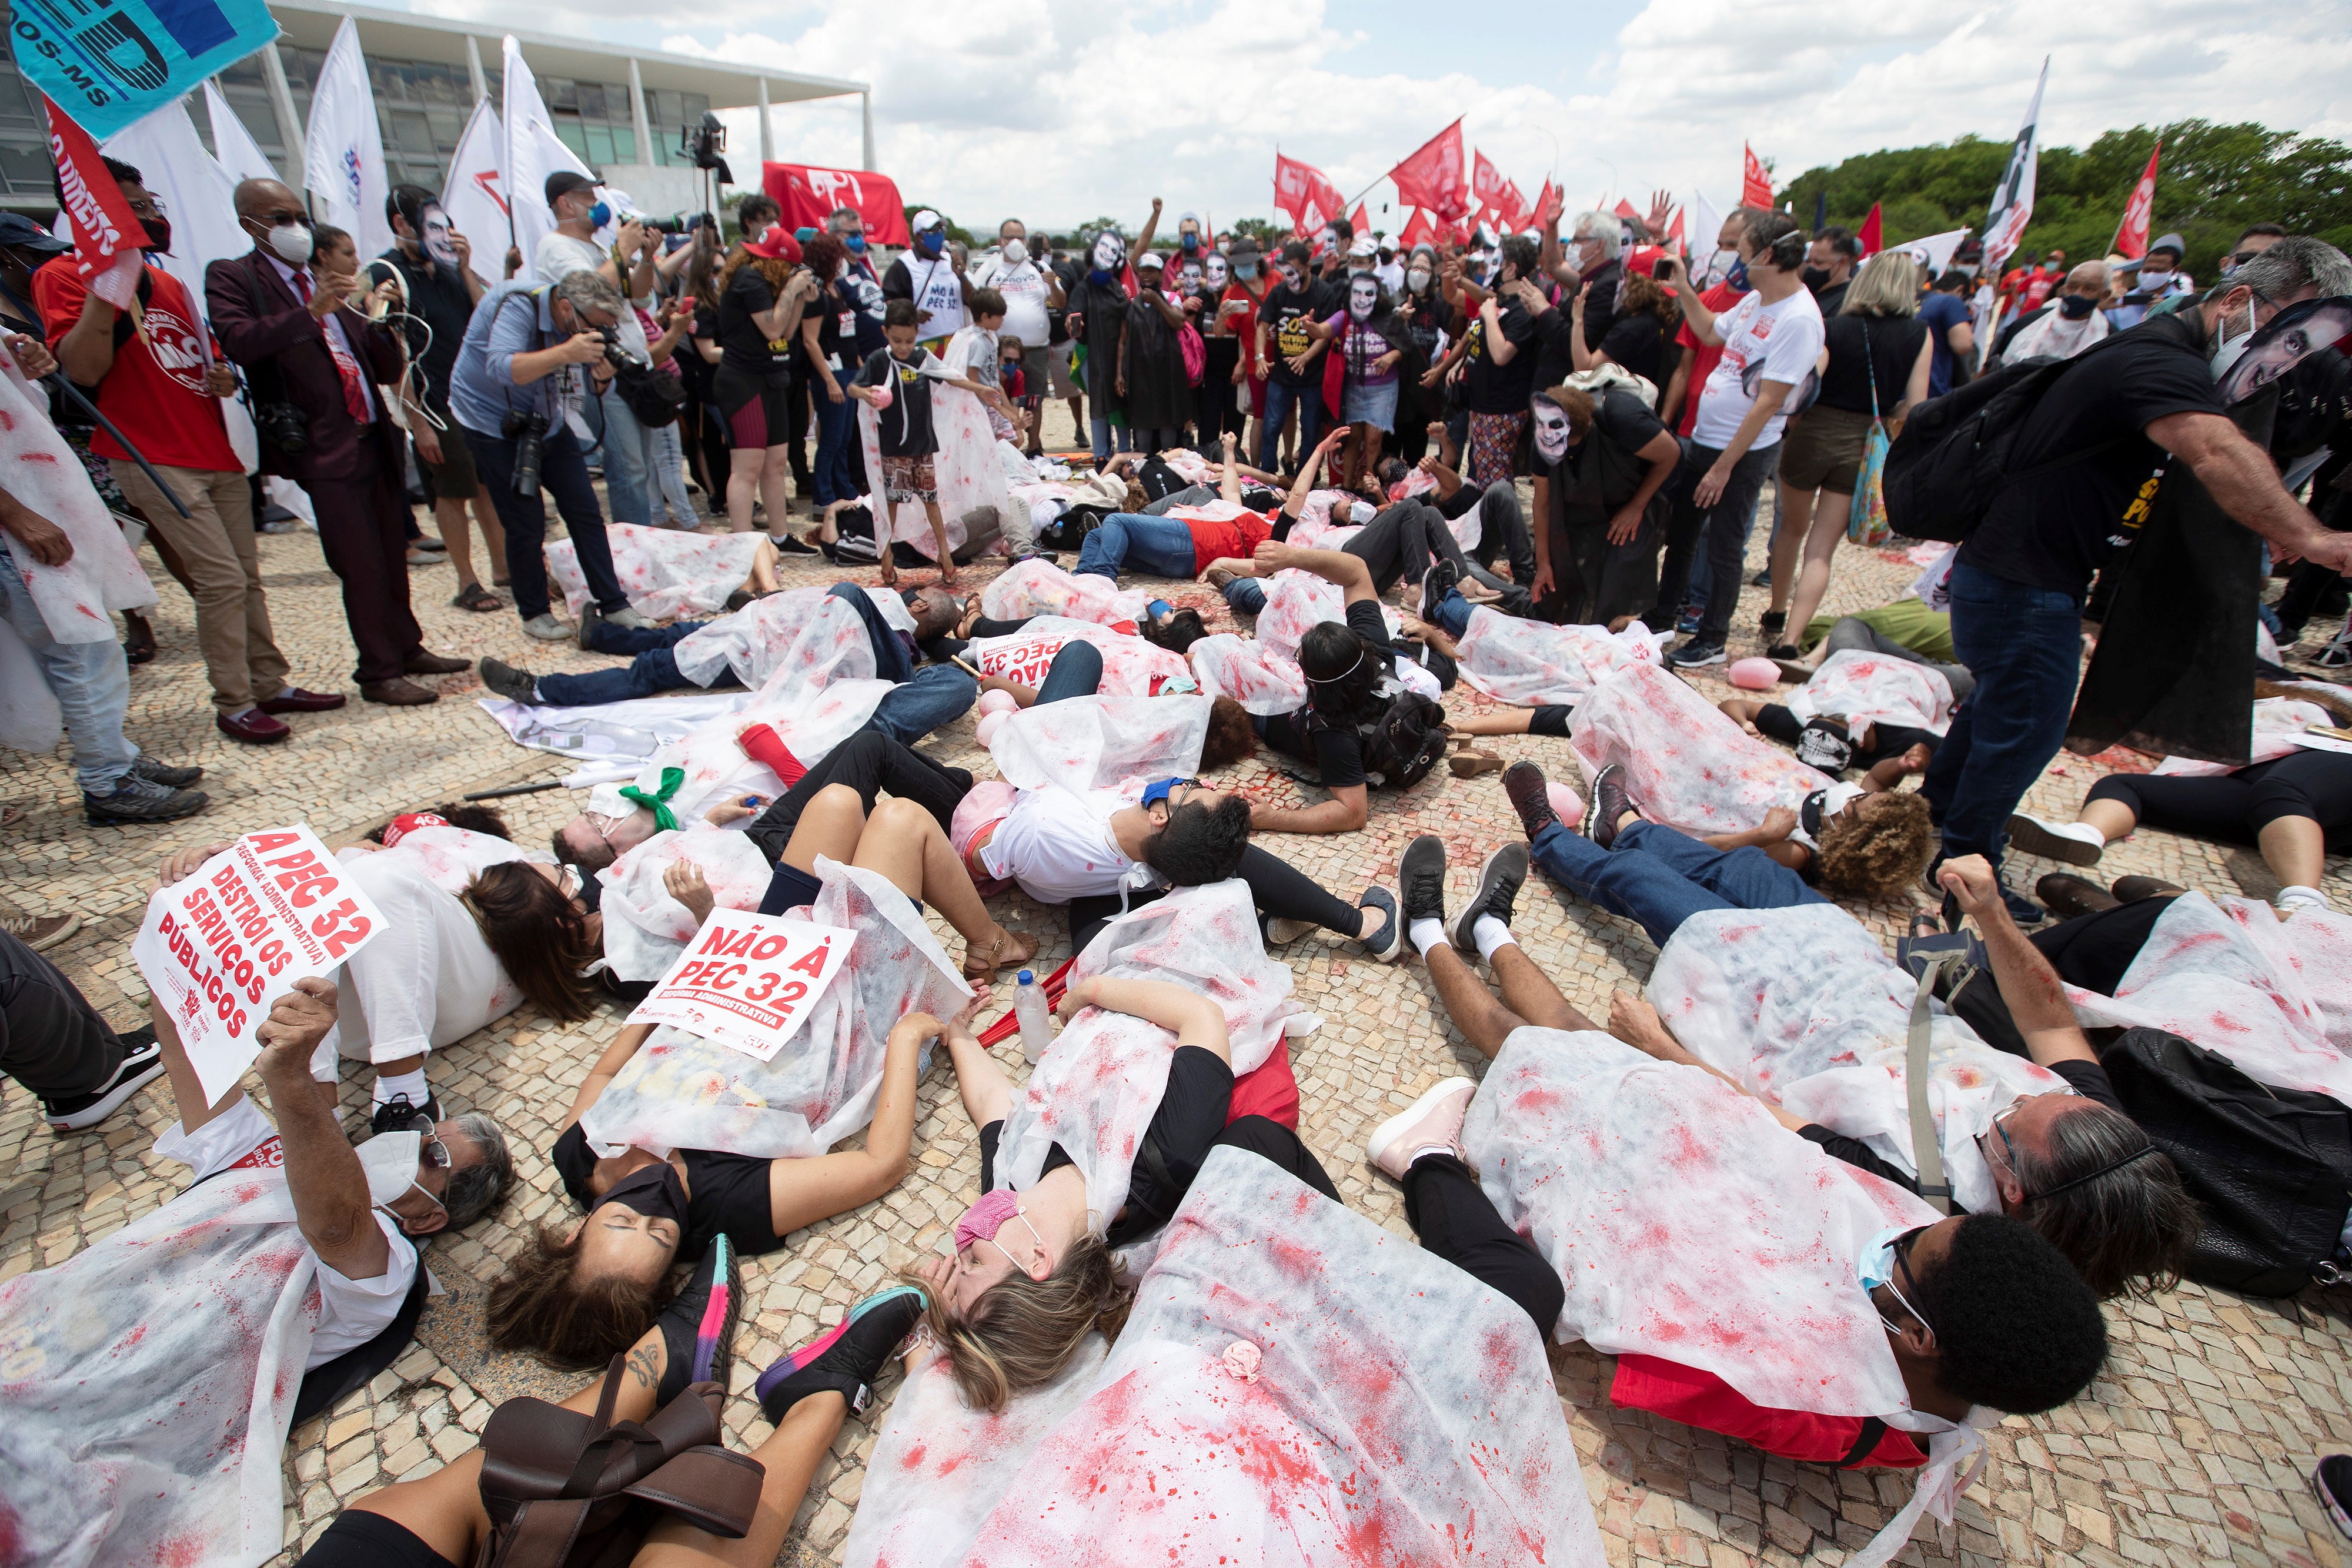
point(354, 389)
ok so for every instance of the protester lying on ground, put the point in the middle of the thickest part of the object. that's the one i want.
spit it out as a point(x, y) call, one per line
point(671, 572)
point(286, 1276)
point(1185, 540)
point(1907, 629)
point(1152, 663)
point(1834, 1316)
point(1503, 531)
point(2292, 803)
point(1834, 742)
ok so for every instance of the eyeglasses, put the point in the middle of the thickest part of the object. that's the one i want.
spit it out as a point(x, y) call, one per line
point(280, 218)
point(2240, 257)
point(146, 206)
point(1903, 1245)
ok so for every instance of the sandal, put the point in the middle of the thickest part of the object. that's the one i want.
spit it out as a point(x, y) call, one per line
point(1013, 947)
point(1470, 764)
point(473, 596)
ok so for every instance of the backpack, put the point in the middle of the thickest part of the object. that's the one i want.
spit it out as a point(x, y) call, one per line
point(2270, 1168)
point(1952, 459)
point(568, 1490)
point(1405, 742)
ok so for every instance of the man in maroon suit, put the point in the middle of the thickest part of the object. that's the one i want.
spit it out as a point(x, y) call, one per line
point(303, 343)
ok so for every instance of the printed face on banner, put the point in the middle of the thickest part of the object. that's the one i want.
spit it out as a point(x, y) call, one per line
point(220, 949)
point(748, 981)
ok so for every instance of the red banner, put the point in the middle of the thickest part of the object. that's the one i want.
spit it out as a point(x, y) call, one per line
point(1870, 235)
point(1418, 230)
point(1509, 209)
point(1302, 190)
point(1431, 177)
point(1358, 223)
point(809, 196)
point(107, 237)
point(1674, 235)
point(2131, 237)
point(1549, 204)
point(1755, 185)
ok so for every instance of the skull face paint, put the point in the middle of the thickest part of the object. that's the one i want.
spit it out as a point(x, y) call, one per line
point(1551, 430)
point(1363, 294)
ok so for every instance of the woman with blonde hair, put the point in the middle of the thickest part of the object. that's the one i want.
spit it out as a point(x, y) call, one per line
point(1874, 365)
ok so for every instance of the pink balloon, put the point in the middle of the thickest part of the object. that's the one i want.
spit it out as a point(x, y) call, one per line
point(1566, 803)
point(989, 723)
point(996, 702)
point(882, 395)
point(1755, 674)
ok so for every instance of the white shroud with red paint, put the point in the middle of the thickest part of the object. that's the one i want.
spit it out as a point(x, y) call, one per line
point(1296, 1386)
point(1688, 1225)
point(664, 571)
point(1095, 1089)
point(1856, 686)
point(964, 469)
point(1039, 587)
point(1249, 672)
point(1804, 1007)
point(1094, 742)
point(802, 636)
point(1532, 664)
point(645, 928)
point(1132, 667)
point(682, 1093)
point(1685, 762)
point(150, 1377)
point(45, 474)
point(2270, 994)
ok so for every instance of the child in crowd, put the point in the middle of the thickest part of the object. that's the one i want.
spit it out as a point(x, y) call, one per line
point(895, 384)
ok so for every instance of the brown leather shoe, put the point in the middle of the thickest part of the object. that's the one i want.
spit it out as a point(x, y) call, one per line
point(399, 693)
point(252, 726)
point(2068, 895)
point(421, 663)
point(2132, 889)
point(294, 699)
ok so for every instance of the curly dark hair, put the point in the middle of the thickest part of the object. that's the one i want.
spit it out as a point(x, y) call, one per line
point(1201, 844)
point(542, 1306)
point(2016, 1328)
point(1232, 736)
point(1343, 674)
point(823, 255)
point(1178, 632)
point(458, 814)
point(1878, 848)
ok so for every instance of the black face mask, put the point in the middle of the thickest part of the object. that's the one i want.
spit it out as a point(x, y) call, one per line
point(2075, 307)
point(159, 234)
point(653, 1191)
point(1816, 278)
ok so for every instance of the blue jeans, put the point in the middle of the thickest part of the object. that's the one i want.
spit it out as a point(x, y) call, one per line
point(1278, 399)
point(564, 473)
point(1658, 878)
point(624, 443)
point(653, 672)
point(1451, 614)
point(1246, 596)
point(2024, 645)
point(1723, 527)
point(92, 681)
point(1076, 672)
point(934, 696)
point(831, 477)
point(1162, 547)
point(894, 661)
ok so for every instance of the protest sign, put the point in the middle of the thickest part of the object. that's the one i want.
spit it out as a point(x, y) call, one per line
point(748, 980)
point(220, 947)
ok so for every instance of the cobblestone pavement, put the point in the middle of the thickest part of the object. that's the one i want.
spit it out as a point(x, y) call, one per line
point(2194, 1446)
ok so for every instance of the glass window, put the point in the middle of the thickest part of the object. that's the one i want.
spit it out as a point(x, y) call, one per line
point(625, 144)
point(600, 143)
point(568, 131)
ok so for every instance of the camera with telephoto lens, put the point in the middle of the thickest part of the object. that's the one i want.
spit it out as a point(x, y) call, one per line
point(528, 432)
point(619, 358)
point(677, 223)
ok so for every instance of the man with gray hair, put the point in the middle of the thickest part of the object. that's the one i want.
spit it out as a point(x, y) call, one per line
point(531, 355)
point(1596, 250)
point(2087, 449)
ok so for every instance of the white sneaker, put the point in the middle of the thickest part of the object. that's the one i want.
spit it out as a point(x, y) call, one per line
point(627, 616)
point(1432, 1121)
point(547, 628)
point(2290, 899)
point(2076, 843)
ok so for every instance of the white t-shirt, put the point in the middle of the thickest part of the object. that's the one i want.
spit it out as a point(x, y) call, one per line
point(939, 296)
point(1760, 342)
point(429, 979)
point(350, 1312)
point(1026, 294)
point(559, 256)
point(1057, 844)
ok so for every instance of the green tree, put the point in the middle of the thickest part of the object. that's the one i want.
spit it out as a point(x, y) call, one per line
point(2211, 181)
point(1265, 231)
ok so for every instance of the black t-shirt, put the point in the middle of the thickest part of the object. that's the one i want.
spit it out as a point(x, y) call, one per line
point(827, 309)
point(2054, 530)
point(904, 429)
point(1336, 750)
point(1832, 300)
point(741, 345)
point(724, 1193)
point(2086, 1078)
point(1638, 342)
point(1285, 313)
point(1601, 302)
point(1892, 344)
point(1620, 416)
point(1191, 1116)
point(438, 298)
point(1502, 388)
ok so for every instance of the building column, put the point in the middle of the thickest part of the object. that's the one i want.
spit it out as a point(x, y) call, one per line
point(474, 68)
point(767, 137)
point(638, 117)
point(289, 125)
point(866, 114)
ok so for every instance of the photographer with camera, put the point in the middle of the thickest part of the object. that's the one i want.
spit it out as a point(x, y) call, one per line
point(580, 212)
point(532, 356)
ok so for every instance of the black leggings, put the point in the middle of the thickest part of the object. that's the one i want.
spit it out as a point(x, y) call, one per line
point(1456, 1221)
point(1549, 719)
point(2236, 806)
point(1402, 541)
point(2093, 950)
point(1278, 888)
point(872, 764)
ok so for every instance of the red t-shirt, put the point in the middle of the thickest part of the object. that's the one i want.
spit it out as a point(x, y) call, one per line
point(1214, 537)
point(1242, 324)
point(156, 392)
point(1698, 1399)
point(1717, 299)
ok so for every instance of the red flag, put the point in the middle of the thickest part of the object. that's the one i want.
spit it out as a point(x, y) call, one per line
point(1418, 230)
point(1545, 200)
point(1755, 185)
point(1675, 233)
point(1358, 222)
point(107, 237)
point(1303, 190)
point(1624, 209)
point(1432, 176)
point(808, 196)
point(2131, 237)
point(1870, 237)
point(1502, 198)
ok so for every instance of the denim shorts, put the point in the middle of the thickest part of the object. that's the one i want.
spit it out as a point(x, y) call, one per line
point(1374, 404)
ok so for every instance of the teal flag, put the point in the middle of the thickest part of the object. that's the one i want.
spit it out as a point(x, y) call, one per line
point(108, 62)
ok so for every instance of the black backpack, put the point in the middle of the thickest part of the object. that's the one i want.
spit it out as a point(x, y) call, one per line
point(1405, 742)
point(1953, 457)
point(2270, 1168)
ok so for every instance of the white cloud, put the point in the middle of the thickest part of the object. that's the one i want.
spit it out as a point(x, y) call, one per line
point(1058, 110)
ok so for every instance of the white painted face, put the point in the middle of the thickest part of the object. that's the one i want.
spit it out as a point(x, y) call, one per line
point(1214, 272)
point(1110, 253)
point(1190, 276)
point(1551, 430)
point(1363, 293)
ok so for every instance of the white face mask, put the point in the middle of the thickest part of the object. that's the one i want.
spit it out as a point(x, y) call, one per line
point(2227, 348)
point(1361, 296)
point(1015, 253)
point(292, 243)
point(1214, 271)
point(1417, 279)
point(1552, 431)
point(1720, 264)
point(2150, 279)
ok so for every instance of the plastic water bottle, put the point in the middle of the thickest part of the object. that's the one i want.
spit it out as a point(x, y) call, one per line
point(1029, 1006)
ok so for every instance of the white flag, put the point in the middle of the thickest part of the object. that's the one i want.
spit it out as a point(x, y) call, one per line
point(534, 152)
point(234, 147)
point(2013, 199)
point(475, 197)
point(1705, 226)
point(343, 162)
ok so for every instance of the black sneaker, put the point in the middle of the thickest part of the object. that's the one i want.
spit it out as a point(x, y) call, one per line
point(2332, 1484)
point(591, 616)
point(737, 599)
point(1526, 787)
point(1698, 651)
point(1437, 582)
point(141, 1064)
point(849, 1360)
point(1761, 579)
point(1610, 802)
point(1499, 881)
point(698, 1327)
point(1420, 879)
point(506, 681)
point(135, 800)
point(1388, 941)
point(787, 545)
point(171, 778)
point(398, 1113)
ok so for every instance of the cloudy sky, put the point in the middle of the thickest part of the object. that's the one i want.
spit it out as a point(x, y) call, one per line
point(1058, 110)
